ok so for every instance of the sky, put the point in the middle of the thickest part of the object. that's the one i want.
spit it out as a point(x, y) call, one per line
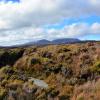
point(31, 20)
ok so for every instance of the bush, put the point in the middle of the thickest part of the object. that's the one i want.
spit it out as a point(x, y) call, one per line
point(35, 61)
point(96, 67)
point(2, 93)
point(10, 57)
point(54, 93)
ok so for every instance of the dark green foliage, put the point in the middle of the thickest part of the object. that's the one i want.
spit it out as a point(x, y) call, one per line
point(10, 57)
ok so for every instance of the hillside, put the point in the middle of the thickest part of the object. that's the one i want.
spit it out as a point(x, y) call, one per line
point(51, 72)
point(46, 42)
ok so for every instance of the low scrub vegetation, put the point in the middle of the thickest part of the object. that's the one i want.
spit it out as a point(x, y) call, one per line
point(53, 72)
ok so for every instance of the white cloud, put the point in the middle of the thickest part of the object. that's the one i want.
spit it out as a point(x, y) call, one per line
point(32, 34)
point(24, 20)
point(95, 28)
point(42, 12)
point(75, 30)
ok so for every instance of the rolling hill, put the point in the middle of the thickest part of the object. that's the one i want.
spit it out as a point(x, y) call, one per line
point(51, 72)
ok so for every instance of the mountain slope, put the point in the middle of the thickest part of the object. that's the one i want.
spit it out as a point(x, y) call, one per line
point(47, 42)
point(65, 41)
point(60, 72)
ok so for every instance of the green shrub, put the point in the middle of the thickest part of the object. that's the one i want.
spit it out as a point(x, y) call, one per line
point(2, 93)
point(96, 67)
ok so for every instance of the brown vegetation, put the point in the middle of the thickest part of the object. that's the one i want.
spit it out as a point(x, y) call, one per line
point(71, 72)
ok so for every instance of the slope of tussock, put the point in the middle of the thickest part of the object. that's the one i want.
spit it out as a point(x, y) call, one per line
point(70, 71)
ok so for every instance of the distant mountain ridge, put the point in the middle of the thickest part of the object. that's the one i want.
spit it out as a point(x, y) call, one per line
point(56, 41)
point(47, 42)
point(65, 40)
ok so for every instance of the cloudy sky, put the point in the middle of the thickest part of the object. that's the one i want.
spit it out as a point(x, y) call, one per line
point(30, 20)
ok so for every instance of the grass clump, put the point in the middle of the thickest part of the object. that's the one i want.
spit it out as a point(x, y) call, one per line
point(96, 67)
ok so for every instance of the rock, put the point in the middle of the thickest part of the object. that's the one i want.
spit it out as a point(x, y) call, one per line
point(39, 83)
